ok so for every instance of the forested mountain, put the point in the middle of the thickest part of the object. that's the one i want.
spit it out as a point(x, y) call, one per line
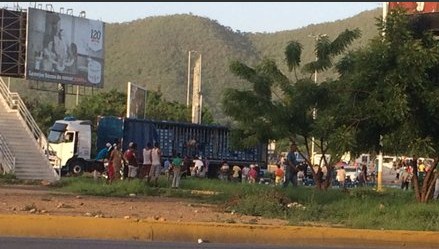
point(153, 52)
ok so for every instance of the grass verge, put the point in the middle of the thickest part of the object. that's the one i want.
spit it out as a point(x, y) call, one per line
point(363, 208)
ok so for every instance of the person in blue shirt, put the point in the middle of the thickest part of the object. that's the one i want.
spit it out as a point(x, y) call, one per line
point(291, 167)
point(166, 168)
point(103, 153)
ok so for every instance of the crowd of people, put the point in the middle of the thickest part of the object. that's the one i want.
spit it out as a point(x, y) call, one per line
point(151, 164)
point(405, 169)
point(126, 165)
point(148, 166)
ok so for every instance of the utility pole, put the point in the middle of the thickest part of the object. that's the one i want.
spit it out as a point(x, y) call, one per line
point(196, 92)
point(380, 153)
point(197, 97)
point(188, 78)
point(380, 166)
point(314, 110)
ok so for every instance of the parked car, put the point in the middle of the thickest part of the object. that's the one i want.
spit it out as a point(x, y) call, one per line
point(352, 173)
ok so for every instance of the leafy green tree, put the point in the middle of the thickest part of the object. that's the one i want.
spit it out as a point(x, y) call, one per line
point(112, 103)
point(277, 106)
point(44, 113)
point(207, 116)
point(392, 91)
point(159, 109)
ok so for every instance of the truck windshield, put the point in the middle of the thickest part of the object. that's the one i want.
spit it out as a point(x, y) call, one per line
point(55, 136)
point(56, 132)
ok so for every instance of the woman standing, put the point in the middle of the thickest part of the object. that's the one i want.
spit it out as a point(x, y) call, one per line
point(147, 161)
point(116, 162)
point(362, 178)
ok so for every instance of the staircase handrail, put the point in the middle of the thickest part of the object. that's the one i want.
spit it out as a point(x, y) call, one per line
point(7, 158)
point(15, 102)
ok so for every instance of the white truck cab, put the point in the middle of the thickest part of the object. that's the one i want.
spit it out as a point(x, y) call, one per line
point(70, 143)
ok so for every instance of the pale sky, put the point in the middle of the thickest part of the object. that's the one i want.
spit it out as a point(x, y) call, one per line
point(243, 16)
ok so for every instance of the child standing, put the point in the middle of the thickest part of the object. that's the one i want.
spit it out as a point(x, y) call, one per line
point(279, 175)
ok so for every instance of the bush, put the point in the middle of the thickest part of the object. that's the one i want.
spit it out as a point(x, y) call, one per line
point(259, 200)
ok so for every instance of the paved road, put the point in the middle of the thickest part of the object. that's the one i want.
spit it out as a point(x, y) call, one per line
point(39, 243)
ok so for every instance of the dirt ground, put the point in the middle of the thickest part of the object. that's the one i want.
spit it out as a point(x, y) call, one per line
point(41, 200)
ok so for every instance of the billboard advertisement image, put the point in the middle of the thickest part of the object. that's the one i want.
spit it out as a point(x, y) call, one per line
point(136, 101)
point(64, 48)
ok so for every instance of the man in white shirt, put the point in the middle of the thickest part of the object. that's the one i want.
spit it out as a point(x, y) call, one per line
point(147, 161)
point(341, 177)
point(244, 174)
point(199, 168)
point(156, 164)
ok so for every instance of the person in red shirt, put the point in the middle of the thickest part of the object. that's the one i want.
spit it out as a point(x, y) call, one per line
point(131, 160)
point(252, 174)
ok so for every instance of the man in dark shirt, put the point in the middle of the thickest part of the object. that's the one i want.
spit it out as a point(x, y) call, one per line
point(185, 170)
point(291, 167)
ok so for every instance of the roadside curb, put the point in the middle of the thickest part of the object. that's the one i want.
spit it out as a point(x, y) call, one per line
point(130, 229)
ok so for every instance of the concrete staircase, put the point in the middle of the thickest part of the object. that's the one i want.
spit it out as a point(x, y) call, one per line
point(30, 160)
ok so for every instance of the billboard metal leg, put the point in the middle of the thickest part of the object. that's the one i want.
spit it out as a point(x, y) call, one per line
point(61, 94)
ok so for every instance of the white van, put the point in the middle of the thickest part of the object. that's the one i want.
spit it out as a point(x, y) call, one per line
point(388, 161)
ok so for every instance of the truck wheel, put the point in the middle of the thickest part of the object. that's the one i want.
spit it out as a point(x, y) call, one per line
point(77, 167)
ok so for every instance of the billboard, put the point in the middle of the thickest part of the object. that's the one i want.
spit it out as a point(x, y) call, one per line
point(136, 101)
point(63, 48)
point(416, 7)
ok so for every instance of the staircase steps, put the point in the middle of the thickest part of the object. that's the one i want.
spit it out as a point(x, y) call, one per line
point(30, 161)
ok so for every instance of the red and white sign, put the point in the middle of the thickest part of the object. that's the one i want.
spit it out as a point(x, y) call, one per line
point(416, 7)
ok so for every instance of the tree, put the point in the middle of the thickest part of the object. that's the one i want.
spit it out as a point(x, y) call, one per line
point(392, 90)
point(44, 113)
point(159, 109)
point(111, 103)
point(277, 106)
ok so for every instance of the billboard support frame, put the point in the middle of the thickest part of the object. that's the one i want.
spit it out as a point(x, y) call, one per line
point(12, 43)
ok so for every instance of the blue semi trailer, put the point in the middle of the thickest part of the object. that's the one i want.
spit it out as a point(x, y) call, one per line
point(208, 141)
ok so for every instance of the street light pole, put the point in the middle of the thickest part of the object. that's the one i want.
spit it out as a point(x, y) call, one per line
point(196, 91)
point(380, 152)
point(197, 97)
point(200, 104)
point(188, 78)
point(380, 166)
point(314, 110)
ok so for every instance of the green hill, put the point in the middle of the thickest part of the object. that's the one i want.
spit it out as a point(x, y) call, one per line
point(153, 52)
point(272, 45)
